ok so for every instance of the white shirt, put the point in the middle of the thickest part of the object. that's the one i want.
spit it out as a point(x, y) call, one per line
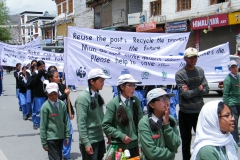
point(124, 99)
point(54, 102)
point(234, 76)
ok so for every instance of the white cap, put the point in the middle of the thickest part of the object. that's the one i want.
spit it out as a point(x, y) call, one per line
point(232, 63)
point(238, 48)
point(97, 73)
point(127, 78)
point(52, 87)
point(190, 52)
point(157, 92)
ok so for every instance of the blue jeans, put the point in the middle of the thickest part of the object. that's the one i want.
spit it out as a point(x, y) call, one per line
point(17, 95)
point(0, 85)
point(72, 86)
point(67, 149)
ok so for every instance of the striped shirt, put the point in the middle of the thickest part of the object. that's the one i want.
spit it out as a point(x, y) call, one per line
point(191, 101)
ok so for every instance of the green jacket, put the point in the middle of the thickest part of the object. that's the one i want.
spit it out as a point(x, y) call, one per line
point(89, 120)
point(213, 153)
point(54, 122)
point(113, 128)
point(231, 92)
point(161, 144)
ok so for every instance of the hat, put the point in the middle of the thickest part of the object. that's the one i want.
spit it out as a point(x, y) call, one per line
point(232, 63)
point(190, 52)
point(238, 48)
point(97, 73)
point(157, 92)
point(127, 78)
point(52, 87)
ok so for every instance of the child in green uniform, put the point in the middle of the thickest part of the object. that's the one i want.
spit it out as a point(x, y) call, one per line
point(89, 109)
point(54, 126)
point(122, 116)
point(158, 134)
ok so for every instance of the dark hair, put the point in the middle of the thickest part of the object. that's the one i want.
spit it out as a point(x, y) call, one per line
point(39, 63)
point(33, 61)
point(121, 112)
point(93, 103)
point(52, 67)
point(51, 73)
point(32, 68)
point(220, 107)
point(18, 64)
point(24, 67)
point(154, 126)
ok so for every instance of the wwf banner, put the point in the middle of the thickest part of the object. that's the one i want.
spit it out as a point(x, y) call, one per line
point(50, 58)
point(164, 44)
point(12, 56)
point(82, 56)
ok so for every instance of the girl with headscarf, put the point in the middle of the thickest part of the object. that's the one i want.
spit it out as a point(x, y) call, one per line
point(89, 111)
point(158, 133)
point(122, 116)
point(213, 138)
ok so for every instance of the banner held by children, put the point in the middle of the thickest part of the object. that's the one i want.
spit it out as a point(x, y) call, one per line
point(82, 56)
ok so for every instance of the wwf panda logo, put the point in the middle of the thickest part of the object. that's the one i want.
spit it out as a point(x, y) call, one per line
point(4, 60)
point(81, 72)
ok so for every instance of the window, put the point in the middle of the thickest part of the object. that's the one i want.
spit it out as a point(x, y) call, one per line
point(64, 7)
point(183, 5)
point(70, 6)
point(59, 9)
point(155, 8)
point(217, 1)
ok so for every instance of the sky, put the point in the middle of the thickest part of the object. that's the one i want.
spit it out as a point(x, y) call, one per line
point(18, 6)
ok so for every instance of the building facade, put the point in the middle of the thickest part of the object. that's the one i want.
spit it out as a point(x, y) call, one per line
point(30, 25)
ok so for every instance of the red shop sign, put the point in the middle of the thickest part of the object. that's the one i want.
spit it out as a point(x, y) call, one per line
point(211, 21)
point(146, 26)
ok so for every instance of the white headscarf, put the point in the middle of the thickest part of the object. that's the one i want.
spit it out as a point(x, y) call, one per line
point(208, 132)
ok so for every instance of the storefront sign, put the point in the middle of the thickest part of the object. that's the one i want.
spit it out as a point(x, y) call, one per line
point(136, 18)
point(234, 18)
point(146, 26)
point(210, 22)
point(174, 27)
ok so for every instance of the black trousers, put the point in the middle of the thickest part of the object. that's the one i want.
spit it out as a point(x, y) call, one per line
point(99, 150)
point(55, 149)
point(134, 152)
point(187, 121)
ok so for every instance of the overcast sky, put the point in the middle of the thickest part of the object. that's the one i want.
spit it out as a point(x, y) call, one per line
point(18, 6)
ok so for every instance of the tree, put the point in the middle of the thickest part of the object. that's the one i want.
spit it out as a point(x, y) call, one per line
point(4, 32)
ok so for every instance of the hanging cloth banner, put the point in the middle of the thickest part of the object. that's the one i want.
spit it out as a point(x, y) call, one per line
point(12, 56)
point(145, 43)
point(82, 56)
point(50, 58)
point(34, 44)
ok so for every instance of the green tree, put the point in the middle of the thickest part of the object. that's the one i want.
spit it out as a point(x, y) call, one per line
point(4, 32)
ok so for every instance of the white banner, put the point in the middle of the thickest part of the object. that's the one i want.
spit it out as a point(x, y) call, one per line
point(12, 56)
point(145, 43)
point(82, 56)
point(34, 44)
point(50, 58)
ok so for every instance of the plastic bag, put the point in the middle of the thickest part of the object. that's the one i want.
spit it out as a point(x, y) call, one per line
point(110, 155)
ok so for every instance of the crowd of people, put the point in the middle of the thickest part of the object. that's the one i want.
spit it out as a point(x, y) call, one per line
point(43, 96)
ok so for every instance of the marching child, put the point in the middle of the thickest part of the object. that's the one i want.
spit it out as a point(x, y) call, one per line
point(122, 116)
point(158, 134)
point(89, 111)
point(54, 126)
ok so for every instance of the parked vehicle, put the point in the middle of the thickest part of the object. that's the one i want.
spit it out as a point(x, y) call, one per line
point(218, 86)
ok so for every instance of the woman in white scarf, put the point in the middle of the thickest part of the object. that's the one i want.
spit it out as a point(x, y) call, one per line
point(215, 122)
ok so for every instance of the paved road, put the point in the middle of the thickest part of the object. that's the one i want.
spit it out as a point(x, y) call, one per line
point(18, 140)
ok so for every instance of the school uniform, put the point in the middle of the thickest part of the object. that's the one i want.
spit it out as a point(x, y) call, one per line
point(90, 126)
point(54, 127)
point(24, 82)
point(160, 144)
point(63, 96)
point(17, 87)
point(113, 128)
point(39, 97)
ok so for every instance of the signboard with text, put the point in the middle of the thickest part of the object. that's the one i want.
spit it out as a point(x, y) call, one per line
point(146, 26)
point(211, 21)
point(174, 27)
